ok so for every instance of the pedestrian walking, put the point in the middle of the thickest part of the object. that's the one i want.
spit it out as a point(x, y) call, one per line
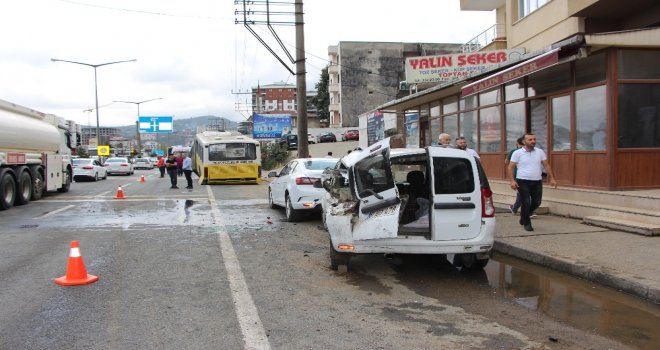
point(187, 170)
point(160, 164)
point(461, 143)
point(530, 162)
point(170, 164)
point(179, 164)
point(516, 205)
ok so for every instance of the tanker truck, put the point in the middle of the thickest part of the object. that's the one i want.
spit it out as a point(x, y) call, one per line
point(35, 154)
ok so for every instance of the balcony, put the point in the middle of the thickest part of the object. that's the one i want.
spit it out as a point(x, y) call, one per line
point(485, 38)
point(333, 69)
point(333, 107)
point(333, 88)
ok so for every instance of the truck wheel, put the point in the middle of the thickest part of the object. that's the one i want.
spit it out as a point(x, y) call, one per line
point(37, 185)
point(24, 188)
point(337, 258)
point(67, 183)
point(7, 190)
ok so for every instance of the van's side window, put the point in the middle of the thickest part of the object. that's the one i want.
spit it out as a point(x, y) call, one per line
point(452, 175)
point(373, 173)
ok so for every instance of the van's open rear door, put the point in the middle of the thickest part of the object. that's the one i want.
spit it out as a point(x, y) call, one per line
point(456, 212)
point(372, 183)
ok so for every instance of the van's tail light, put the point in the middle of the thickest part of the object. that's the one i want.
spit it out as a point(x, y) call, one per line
point(487, 207)
point(306, 180)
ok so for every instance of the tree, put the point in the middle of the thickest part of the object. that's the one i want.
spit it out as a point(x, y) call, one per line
point(322, 99)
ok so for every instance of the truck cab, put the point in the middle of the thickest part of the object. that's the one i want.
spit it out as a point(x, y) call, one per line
point(432, 200)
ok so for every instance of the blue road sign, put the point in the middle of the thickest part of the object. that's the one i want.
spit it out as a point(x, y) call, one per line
point(156, 124)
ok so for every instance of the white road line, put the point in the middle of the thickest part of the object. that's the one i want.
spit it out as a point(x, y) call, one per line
point(126, 199)
point(102, 194)
point(55, 212)
point(253, 331)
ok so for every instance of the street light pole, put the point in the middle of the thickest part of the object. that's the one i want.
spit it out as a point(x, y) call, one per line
point(137, 123)
point(96, 93)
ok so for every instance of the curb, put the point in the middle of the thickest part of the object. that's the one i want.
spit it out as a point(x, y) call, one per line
point(596, 274)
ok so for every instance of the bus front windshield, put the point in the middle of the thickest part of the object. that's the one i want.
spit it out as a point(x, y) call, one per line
point(232, 151)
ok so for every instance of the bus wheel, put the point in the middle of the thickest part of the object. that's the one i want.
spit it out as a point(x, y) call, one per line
point(7, 190)
point(24, 188)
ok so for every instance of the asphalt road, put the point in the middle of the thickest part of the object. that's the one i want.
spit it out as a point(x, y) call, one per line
point(203, 269)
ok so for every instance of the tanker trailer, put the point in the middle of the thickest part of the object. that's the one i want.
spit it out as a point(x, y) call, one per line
point(35, 155)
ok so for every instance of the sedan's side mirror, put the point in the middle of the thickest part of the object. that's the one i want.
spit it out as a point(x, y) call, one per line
point(272, 174)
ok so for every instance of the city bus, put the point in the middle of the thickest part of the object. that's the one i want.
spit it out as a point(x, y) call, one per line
point(220, 157)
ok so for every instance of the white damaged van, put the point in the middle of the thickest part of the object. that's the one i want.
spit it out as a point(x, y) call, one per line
point(432, 200)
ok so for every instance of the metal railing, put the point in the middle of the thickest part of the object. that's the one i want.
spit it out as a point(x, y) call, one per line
point(484, 38)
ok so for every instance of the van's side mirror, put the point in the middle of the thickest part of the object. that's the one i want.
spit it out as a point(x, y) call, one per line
point(272, 174)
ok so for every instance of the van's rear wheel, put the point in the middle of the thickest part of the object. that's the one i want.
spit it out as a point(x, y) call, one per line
point(469, 261)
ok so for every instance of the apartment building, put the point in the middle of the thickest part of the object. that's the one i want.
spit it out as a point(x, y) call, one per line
point(281, 98)
point(364, 75)
point(587, 84)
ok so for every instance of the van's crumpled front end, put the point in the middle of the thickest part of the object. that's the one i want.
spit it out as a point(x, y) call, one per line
point(408, 201)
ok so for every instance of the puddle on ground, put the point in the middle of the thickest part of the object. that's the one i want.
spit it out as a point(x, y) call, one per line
point(582, 304)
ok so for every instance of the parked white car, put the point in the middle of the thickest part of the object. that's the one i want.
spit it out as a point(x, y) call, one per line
point(293, 187)
point(432, 200)
point(118, 165)
point(87, 168)
point(143, 163)
point(311, 139)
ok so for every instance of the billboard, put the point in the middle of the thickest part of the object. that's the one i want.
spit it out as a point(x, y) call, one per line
point(446, 68)
point(156, 124)
point(270, 126)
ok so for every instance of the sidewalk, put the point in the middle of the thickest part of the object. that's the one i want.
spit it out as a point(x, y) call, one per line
point(624, 261)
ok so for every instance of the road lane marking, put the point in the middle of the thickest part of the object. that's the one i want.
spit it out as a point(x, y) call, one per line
point(253, 331)
point(55, 212)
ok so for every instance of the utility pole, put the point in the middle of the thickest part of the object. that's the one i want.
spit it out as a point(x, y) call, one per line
point(301, 84)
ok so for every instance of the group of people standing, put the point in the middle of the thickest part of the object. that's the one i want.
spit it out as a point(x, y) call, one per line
point(176, 166)
point(525, 166)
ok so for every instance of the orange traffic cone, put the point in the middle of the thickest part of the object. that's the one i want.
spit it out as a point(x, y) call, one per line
point(120, 193)
point(76, 274)
point(141, 178)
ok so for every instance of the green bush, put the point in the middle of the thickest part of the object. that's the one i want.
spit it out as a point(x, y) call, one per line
point(272, 155)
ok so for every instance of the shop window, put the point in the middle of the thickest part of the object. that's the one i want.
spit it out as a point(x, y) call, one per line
point(434, 123)
point(489, 129)
point(639, 64)
point(450, 124)
point(549, 80)
point(590, 119)
point(538, 121)
point(468, 127)
point(590, 70)
point(515, 122)
point(450, 105)
point(469, 102)
point(561, 123)
point(412, 129)
point(489, 97)
point(514, 90)
point(639, 116)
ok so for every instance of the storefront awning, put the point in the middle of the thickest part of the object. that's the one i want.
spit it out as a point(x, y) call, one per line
point(520, 70)
point(647, 37)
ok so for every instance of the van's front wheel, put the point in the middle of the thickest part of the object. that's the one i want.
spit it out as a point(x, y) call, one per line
point(337, 258)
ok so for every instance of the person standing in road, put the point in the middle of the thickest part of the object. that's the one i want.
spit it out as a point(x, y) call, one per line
point(160, 164)
point(179, 164)
point(187, 170)
point(516, 205)
point(461, 143)
point(530, 162)
point(170, 163)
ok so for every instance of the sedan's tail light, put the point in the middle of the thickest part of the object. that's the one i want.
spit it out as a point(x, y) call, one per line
point(306, 180)
point(124, 164)
point(88, 167)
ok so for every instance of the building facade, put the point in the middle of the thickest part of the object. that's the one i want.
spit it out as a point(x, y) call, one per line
point(588, 87)
point(364, 75)
point(281, 98)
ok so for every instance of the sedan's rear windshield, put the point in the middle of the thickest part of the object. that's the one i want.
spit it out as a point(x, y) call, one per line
point(81, 161)
point(116, 160)
point(321, 164)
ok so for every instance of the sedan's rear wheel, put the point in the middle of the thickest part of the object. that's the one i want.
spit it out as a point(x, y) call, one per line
point(96, 177)
point(292, 215)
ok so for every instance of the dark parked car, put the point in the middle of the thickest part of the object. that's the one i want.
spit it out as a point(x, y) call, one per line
point(289, 140)
point(351, 135)
point(327, 137)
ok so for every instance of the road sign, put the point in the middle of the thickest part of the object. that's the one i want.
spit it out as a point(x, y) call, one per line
point(156, 124)
point(103, 150)
point(160, 152)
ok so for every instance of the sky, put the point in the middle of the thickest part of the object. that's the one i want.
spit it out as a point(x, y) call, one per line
point(191, 57)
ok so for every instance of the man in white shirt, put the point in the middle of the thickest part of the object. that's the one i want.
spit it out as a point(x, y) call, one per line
point(461, 143)
point(529, 162)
